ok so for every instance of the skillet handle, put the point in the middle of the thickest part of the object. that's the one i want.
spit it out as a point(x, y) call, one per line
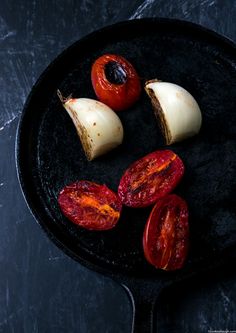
point(143, 299)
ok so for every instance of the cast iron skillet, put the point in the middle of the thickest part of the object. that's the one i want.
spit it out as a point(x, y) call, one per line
point(49, 153)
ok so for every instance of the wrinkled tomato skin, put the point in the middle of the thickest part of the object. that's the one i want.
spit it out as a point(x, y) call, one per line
point(116, 96)
point(90, 205)
point(150, 178)
point(166, 234)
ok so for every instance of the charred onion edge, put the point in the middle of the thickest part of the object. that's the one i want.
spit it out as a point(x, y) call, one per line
point(81, 130)
point(84, 136)
point(158, 111)
point(62, 98)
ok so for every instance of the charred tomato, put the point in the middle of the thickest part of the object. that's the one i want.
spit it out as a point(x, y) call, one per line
point(115, 81)
point(150, 178)
point(166, 234)
point(90, 205)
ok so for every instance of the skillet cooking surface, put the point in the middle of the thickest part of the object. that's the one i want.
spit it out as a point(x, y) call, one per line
point(50, 156)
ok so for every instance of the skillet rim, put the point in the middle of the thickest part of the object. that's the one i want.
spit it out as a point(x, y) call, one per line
point(85, 258)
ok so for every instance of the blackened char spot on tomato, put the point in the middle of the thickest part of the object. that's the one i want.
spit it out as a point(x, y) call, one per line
point(115, 73)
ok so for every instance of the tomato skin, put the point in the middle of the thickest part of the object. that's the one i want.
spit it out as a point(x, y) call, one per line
point(150, 178)
point(116, 96)
point(166, 234)
point(90, 205)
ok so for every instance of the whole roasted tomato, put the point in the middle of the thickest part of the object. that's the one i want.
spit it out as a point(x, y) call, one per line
point(90, 205)
point(115, 82)
point(166, 234)
point(150, 178)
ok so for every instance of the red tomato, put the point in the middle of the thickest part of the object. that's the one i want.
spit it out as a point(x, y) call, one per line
point(150, 178)
point(90, 205)
point(115, 82)
point(166, 234)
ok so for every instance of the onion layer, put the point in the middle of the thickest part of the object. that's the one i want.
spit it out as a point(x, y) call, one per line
point(178, 112)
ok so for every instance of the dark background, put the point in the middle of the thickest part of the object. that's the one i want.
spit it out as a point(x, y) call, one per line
point(41, 289)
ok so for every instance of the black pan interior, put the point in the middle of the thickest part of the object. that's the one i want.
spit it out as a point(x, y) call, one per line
point(49, 153)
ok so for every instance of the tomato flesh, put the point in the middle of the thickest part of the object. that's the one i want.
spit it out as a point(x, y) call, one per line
point(90, 205)
point(115, 82)
point(150, 178)
point(166, 234)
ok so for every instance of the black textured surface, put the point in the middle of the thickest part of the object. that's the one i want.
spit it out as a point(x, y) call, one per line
point(41, 289)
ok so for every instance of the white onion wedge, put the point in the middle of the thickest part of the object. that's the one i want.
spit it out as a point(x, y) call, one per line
point(176, 109)
point(97, 125)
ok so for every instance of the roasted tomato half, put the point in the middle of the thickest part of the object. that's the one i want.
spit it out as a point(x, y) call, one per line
point(150, 178)
point(166, 234)
point(90, 205)
point(115, 82)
